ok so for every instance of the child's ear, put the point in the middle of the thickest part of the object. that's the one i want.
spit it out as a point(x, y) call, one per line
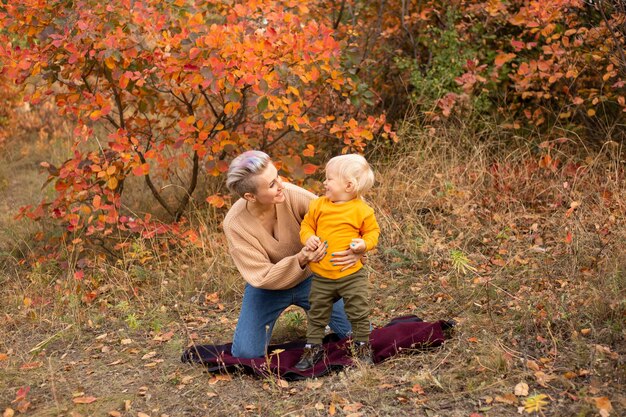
point(350, 187)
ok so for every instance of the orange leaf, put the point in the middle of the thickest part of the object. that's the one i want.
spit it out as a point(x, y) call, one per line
point(604, 405)
point(30, 365)
point(84, 400)
point(216, 201)
point(502, 59)
point(141, 170)
point(97, 201)
point(309, 168)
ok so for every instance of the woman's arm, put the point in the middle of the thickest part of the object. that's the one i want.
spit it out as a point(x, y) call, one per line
point(347, 258)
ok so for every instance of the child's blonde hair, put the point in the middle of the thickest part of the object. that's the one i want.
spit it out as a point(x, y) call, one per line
point(355, 169)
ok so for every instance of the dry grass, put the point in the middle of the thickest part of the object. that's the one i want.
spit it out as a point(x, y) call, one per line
point(471, 231)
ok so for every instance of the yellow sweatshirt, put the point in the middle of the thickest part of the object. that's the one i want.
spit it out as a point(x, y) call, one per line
point(338, 224)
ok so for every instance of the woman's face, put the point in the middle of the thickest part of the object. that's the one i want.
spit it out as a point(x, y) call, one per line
point(269, 187)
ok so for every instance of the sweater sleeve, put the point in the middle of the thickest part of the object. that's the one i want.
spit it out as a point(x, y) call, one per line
point(370, 231)
point(308, 227)
point(255, 266)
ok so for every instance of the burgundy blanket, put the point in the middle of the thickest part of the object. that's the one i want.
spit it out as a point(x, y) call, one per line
point(402, 333)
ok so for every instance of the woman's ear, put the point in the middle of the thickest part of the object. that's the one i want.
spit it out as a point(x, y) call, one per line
point(250, 197)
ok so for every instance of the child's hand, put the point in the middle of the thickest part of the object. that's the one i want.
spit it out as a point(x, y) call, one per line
point(313, 243)
point(358, 245)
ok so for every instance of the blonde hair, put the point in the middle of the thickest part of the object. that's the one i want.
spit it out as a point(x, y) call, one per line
point(355, 169)
point(243, 170)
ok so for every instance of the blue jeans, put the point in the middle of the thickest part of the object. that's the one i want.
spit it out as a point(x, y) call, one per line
point(260, 309)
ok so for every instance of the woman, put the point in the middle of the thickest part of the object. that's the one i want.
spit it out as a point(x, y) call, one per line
point(262, 229)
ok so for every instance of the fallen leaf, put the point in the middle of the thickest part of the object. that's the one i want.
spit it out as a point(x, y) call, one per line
point(585, 332)
point(115, 413)
point(570, 375)
point(8, 413)
point(332, 410)
point(84, 400)
point(532, 365)
point(498, 261)
point(472, 340)
point(149, 355)
point(164, 337)
point(126, 341)
point(506, 399)
point(543, 378)
point(604, 405)
point(217, 378)
point(21, 394)
point(535, 403)
point(352, 408)
point(3, 356)
point(140, 414)
point(521, 389)
point(127, 405)
point(282, 383)
point(314, 384)
point(22, 406)
point(417, 388)
point(30, 365)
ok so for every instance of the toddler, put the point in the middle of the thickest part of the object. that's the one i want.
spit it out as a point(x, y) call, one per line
point(340, 219)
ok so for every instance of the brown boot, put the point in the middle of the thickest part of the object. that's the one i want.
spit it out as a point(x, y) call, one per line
point(311, 355)
point(363, 352)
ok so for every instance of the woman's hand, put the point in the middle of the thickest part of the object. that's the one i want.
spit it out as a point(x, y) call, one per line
point(305, 256)
point(346, 258)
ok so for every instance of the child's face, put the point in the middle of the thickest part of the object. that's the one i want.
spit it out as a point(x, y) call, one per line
point(336, 188)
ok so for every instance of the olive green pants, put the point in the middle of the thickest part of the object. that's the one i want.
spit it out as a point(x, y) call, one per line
point(325, 292)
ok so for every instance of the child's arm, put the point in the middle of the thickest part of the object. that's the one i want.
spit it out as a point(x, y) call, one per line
point(369, 233)
point(312, 242)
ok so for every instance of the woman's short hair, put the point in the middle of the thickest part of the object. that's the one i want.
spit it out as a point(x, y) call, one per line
point(242, 170)
point(355, 169)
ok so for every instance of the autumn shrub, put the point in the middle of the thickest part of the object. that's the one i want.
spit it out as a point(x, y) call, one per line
point(538, 68)
point(169, 92)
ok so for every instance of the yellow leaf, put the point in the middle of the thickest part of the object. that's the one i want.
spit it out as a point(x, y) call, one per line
point(95, 115)
point(112, 183)
point(231, 107)
point(109, 62)
point(536, 403)
point(591, 112)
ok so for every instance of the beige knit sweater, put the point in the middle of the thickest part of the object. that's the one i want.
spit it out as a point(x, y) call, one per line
point(264, 261)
